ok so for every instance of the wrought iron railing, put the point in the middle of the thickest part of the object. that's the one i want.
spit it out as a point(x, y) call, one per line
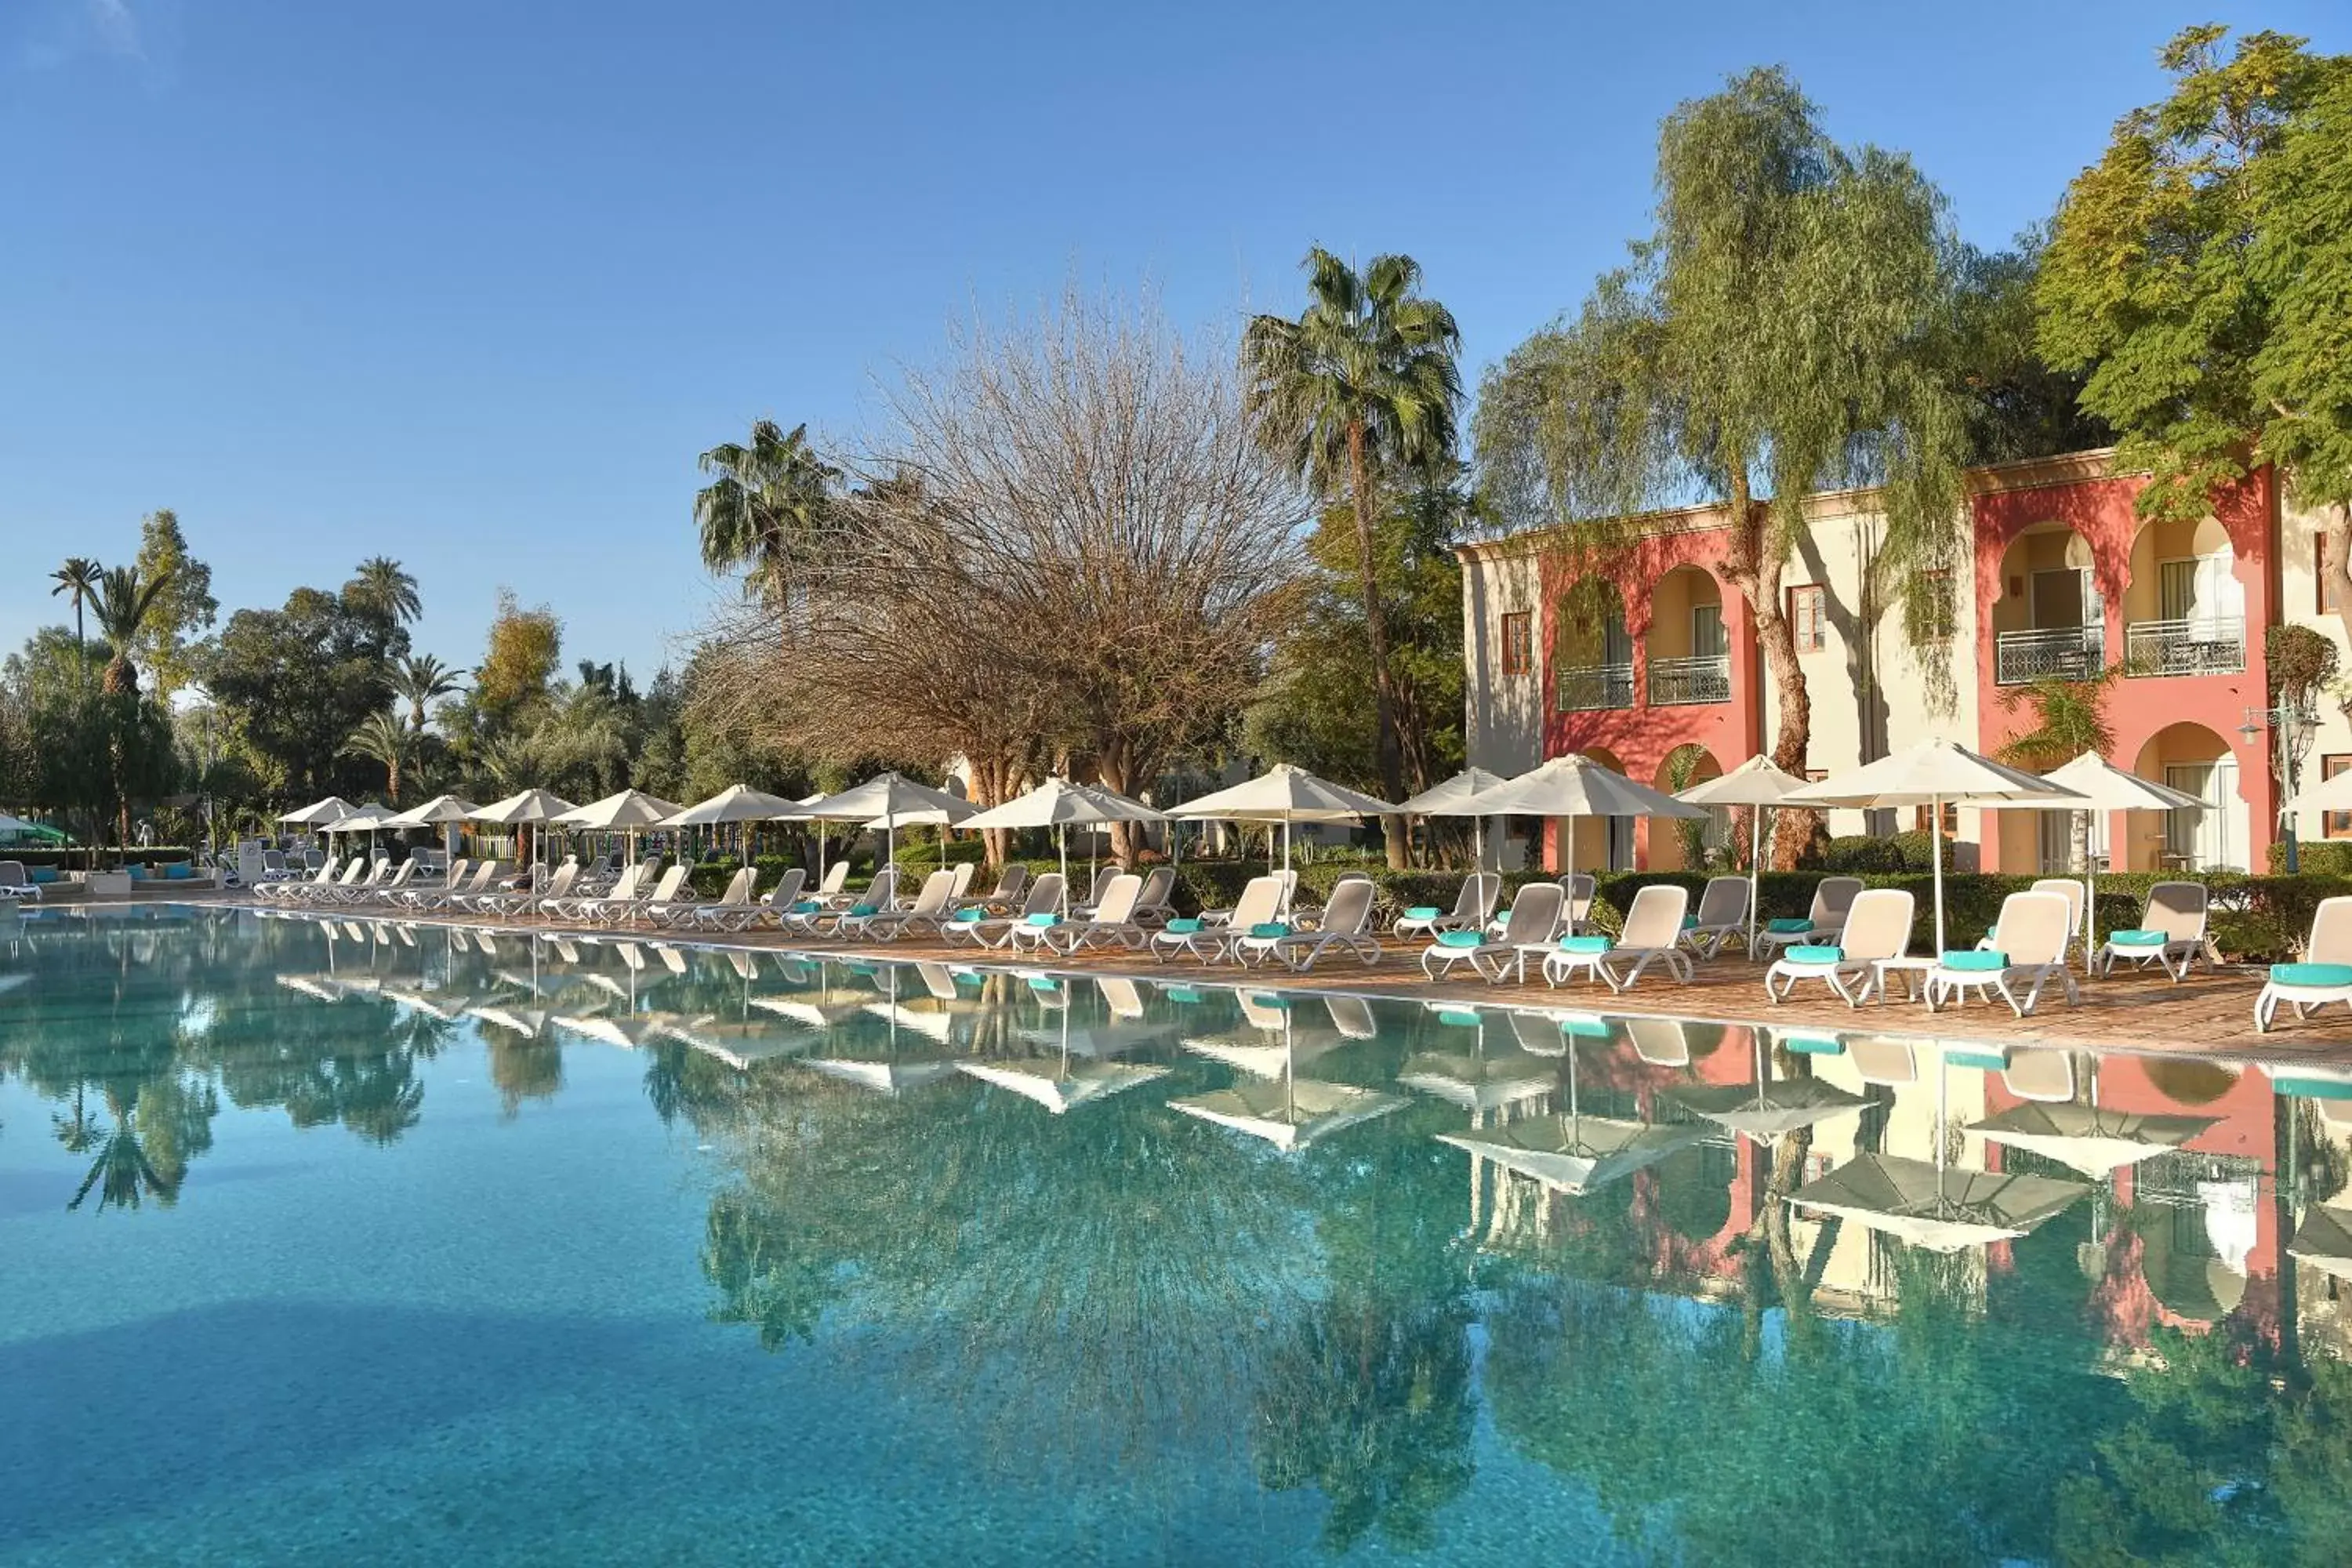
point(2046, 653)
point(2200, 644)
point(1585, 689)
point(1681, 682)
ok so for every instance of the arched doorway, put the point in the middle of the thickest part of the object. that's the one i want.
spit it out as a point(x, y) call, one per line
point(1687, 653)
point(2051, 617)
point(1677, 845)
point(2191, 758)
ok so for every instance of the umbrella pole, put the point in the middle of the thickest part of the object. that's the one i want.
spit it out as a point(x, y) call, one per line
point(1755, 878)
point(1062, 838)
point(1936, 859)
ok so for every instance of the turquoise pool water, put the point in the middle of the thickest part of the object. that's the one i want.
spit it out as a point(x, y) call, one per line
point(355, 1243)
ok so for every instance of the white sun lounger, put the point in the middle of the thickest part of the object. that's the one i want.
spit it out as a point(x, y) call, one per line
point(1825, 922)
point(1722, 916)
point(975, 925)
point(2324, 974)
point(1111, 923)
point(2034, 931)
point(1473, 906)
point(1259, 905)
point(934, 901)
point(1878, 928)
point(1652, 933)
point(1346, 923)
point(1529, 927)
point(2171, 932)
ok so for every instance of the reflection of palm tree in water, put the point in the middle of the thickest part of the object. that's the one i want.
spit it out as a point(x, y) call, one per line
point(144, 1152)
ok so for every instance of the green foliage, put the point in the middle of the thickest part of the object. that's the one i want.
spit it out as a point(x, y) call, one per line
point(520, 658)
point(2018, 407)
point(1317, 707)
point(2069, 719)
point(293, 684)
point(185, 609)
point(386, 587)
point(1910, 850)
point(766, 509)
point(2301, 663)
point(1787, 325)
point(2197, 272)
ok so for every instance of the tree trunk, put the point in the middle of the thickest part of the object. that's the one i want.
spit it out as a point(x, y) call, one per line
point(1376, 633)
point(1753, 565)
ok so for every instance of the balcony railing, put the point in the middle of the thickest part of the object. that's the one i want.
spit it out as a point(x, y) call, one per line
point(2048, 653)
point(1586, 688)
point(1681, 682)
point(2203, 645)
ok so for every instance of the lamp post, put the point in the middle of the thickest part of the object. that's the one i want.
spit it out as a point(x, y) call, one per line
point(2292, 729)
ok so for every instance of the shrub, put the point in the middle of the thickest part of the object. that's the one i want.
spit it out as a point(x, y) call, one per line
point(1857, 853)
point(2324, 858)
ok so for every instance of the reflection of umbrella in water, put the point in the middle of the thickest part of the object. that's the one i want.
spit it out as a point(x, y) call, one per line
point(1286, 1110)
point(1572, 1153)
point(1770, 1108)
point(448, 1010)
point(529, 1022)
point(318, 987)
point(890, 1074)
point(2092, 1140)
point(1477, 1080)
point(1076, 1073)
point(630, 1034)
point(2204, 1280)
point(740, 1044)
point(1942, 1208)
point(2323, 1240)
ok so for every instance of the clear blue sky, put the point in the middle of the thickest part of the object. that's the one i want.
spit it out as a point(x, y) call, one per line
point(471, 283)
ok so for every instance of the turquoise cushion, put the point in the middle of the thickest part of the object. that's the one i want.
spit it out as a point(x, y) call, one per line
point(1787, 927)
point(966, 917)
point(1809, 954)
point(1185, 927)
point(859, 911)
point(2312, 1088)
point(177, 873)
point(1584, 944)
point(42, 874)
point(1813, 1044)
point(1585, 1029)
point(1269, 929)
point(1423, 912)
point(1182, 993)
point(1984, 1061)
point(1690, 922)
point(2137, 938)
point(1460, 939)
point(1467, 1017)
point(806, 907)
point(1987, 958)
point(138, 873)
point(1042, 919)
point(2312, 973)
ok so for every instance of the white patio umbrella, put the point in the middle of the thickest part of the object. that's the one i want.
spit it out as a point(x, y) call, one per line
point(362, 819)
point(2106, 787)
point(1286, 793)
point(890, 797)
point(1058, 803)
point(1933, 774)
point(1755, 784)
point(630, 811)
point(443, 810)
point(321, 812)
point(736, 803)
point(1452, 798)
point(1575, 785)
point(532, 805)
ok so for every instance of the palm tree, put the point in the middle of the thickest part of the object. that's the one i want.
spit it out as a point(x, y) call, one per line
point(765, 508)
point(124, 600)
point(2070, 718)
point(382, 738)
point(1366, 379)
point(78, 576)
point(419, 680)
point(382, 582)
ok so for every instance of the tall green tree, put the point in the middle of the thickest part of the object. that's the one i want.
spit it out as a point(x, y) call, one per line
point(419, 680)
point(1789, 324)
point(2198, 273)
point(389, 587)
point(79, 578)
point(127, 602)
point(1367, 378)
point(383, 739)
point(294, 682)
point(766, 508)
point(182, 612)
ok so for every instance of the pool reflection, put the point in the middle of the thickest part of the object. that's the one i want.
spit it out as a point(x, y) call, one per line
point(2095, 1295)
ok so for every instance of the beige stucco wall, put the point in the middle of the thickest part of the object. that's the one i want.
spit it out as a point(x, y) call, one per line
point(1505, 712)
point(2299, 528)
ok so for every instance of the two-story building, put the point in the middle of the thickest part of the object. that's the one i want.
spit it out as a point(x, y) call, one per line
point(1664, 680)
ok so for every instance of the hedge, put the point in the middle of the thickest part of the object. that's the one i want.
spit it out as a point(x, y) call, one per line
point(78, 858)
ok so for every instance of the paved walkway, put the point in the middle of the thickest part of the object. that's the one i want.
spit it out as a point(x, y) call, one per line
point(2211, 1015)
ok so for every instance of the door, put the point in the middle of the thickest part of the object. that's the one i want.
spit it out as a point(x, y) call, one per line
point(1621, 843)
point(2058, 599)
point(2201, 589)
point(2201, 841)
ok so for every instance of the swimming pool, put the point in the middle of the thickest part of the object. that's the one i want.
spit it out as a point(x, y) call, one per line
point(398, 1244)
